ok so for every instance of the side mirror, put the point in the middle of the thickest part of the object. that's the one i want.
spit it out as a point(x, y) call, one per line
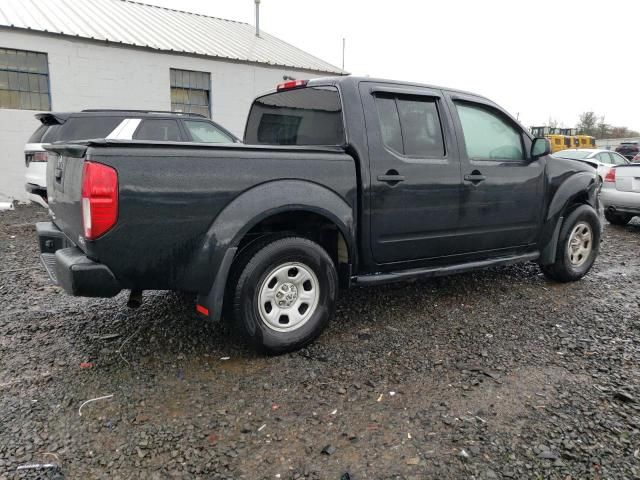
point(540, 147)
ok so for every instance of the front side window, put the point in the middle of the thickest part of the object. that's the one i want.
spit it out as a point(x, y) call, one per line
point(487, 135)
point(190, 92)
point(158, 130)
point(206, 133)
point(24, 80)
point(410, 125)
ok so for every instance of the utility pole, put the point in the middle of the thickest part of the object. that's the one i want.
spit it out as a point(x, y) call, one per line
point(257, 18)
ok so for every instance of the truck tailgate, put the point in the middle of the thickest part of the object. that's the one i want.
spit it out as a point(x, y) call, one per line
point(64, 188)
point(628, 178)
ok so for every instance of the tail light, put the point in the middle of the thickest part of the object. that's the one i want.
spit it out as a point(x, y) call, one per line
point(610, 176)
point(292, 84)
point(40, 157)
point(99, 199)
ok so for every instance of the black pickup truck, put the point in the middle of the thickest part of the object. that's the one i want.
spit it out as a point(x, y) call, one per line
point(341, 182)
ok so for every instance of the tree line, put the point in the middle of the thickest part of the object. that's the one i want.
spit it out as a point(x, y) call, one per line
point(592, 124)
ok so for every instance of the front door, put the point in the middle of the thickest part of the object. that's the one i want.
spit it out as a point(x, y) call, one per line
point(502, 189)
point(415, 172)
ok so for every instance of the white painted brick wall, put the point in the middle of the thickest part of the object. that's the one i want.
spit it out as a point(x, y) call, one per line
point(95, 75)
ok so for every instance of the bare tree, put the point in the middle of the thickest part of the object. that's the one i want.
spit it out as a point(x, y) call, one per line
point(587, 123)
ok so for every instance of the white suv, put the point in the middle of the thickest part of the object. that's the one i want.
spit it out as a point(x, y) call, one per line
point(116, 125)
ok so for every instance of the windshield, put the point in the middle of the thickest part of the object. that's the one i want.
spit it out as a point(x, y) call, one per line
point(573, 154)
point(302, 116)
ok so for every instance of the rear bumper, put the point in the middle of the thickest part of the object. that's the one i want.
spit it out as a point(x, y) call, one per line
point(70, 268)
point(623, 202)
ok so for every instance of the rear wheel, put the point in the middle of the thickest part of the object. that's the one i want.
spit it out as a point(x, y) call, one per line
point(283, 293)
point(617, 218)
point(578, 246)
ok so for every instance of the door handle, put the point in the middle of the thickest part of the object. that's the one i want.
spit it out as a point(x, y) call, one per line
point(475, 177)
point(392, 176)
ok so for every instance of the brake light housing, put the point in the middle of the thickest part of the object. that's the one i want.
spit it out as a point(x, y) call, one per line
point(99, 199)
point(610, 176)
point(292, 84)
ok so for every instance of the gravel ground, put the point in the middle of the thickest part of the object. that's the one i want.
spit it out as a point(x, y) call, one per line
point(494, 374)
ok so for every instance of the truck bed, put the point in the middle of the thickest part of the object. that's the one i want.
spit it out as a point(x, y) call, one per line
point(171, 193)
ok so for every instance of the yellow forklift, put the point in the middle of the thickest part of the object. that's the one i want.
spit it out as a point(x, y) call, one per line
point(585, 141)
point(558, 140)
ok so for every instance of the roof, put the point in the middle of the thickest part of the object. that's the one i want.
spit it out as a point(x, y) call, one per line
point(136, 24)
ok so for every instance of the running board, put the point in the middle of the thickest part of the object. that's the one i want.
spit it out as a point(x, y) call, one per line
point(415, 273)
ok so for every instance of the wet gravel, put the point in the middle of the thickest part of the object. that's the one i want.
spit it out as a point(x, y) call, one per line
point(494, 374)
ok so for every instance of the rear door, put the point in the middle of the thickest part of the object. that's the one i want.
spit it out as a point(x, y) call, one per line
point(415, 173)
point(502, 190)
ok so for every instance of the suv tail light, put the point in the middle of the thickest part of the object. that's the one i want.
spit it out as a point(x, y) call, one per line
point(99, 199)
point(610, 176)
point(39, 157)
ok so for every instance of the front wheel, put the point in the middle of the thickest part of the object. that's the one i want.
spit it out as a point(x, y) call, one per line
point(578, 246)
point(283, 293)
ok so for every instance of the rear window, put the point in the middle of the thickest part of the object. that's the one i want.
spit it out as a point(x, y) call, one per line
point(52, 134)
point(304, 116)
point(37, 135)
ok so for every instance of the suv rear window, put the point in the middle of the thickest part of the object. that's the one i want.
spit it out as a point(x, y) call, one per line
point(304, 116)
point(36, 137)
point(82, 128)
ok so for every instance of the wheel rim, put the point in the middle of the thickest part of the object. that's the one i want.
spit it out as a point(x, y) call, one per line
point(580, 244)
point(288, 297)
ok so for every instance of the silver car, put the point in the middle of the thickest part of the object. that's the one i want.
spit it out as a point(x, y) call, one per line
point(620, 194)
point(603, 160)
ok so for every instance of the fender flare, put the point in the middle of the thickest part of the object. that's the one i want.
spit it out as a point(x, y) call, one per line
point(559, 207)
point(221, 241)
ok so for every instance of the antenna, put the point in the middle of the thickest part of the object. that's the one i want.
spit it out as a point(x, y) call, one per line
point(344, 41)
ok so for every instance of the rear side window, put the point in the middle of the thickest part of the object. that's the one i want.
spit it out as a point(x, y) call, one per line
point(618, 159)
point(487, 135)
point(159, 130)
point(410, 125)
point(304, 116)
point(82, 128)
point(36, 137)
point(604, 157)
point(206, 132)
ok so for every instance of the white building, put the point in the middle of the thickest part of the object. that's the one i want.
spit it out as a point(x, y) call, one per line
point(69, 55)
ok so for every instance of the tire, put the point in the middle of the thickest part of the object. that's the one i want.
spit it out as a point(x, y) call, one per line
point(617, 218)
point(269, 285)
point(573, 258)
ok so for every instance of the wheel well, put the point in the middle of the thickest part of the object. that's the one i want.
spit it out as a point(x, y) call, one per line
point(581, 198)
point(310, 225)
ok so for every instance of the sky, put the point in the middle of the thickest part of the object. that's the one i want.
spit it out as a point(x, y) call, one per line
point(539, 60)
